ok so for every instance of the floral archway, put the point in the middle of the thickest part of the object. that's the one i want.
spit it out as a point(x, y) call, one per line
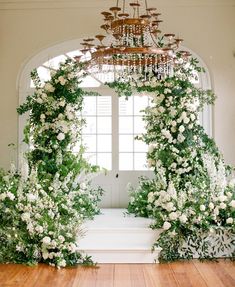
point(42, 209)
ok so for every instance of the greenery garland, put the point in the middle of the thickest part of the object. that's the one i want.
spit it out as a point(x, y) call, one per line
point(42, 208)
point(192, 196)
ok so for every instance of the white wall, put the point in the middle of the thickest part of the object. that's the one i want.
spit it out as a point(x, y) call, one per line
point(27, 27)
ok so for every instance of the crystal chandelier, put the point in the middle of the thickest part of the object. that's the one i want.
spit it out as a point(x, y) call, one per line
point(132, 44)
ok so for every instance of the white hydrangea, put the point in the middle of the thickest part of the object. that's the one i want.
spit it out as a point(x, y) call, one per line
point(166, 225)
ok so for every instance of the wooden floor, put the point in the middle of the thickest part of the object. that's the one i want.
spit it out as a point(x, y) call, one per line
point(186, 274)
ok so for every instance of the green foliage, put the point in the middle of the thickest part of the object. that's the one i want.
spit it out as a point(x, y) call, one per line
point(191, 193)
point(41, 210)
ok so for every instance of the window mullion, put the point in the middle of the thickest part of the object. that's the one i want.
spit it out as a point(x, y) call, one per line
point(115, 132)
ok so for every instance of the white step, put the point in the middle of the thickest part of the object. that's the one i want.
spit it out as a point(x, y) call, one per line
point(113, 237)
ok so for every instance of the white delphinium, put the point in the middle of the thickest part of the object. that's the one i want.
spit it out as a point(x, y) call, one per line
point(171, 190)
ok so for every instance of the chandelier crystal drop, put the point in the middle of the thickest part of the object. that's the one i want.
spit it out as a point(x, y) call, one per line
point(132, 44)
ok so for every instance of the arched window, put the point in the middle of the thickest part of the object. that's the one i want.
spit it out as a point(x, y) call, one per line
point(112, 123)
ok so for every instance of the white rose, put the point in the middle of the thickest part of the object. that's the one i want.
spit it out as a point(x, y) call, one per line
point(46, 240)
point(181, 129)
point(169, 206)
point(222, 205)
point(62, 80)
point(180, 138)
point(202, 207)
point(39, 229)
point(173, 216)
point(229, 220)
point(166, 225)
point(192, 116)
point(211, 205)
point(183, 218)
point(222, 198)
point(61, 238)
point(48, 87)
point(216, 211)
point(10, 195)
point(25, 216)
point(31, 197)
point(39, 100)
point(62, 103)
point(60, 136)
point(161, 109)
point(173, 123)
point(151, 148)
point(186, 120)
point(232, 203)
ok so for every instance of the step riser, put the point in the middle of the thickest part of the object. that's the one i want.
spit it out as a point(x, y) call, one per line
point(119, 239)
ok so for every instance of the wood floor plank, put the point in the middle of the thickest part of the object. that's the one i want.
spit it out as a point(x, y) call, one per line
point(224, 275)
point(137, 275)
point(105, 275)
point(229, 266)
point(161, 275)
point(122, 275)
point(178, 274)
point(187, 275)
point(209, 274)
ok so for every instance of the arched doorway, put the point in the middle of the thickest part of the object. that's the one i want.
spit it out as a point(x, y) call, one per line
point(112, 123)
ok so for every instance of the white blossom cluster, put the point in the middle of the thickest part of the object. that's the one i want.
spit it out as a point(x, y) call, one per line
point(191, 187)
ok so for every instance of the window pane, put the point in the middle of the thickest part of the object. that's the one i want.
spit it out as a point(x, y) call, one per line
point(140, 161)
point(140, 146)
point(126, 106)
point(126, 125)
point(139, 125)
point(104, 106)
point(89, 106)
point(90, 127)
point(55, 62)
point(126, 161)
point(104, 143)
point(140, 103)
point(104, 160)
point(126, 143)
point(89, 142)
point(104, 125)
point(44, 74)
point(91, 157)
point(89, 82)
